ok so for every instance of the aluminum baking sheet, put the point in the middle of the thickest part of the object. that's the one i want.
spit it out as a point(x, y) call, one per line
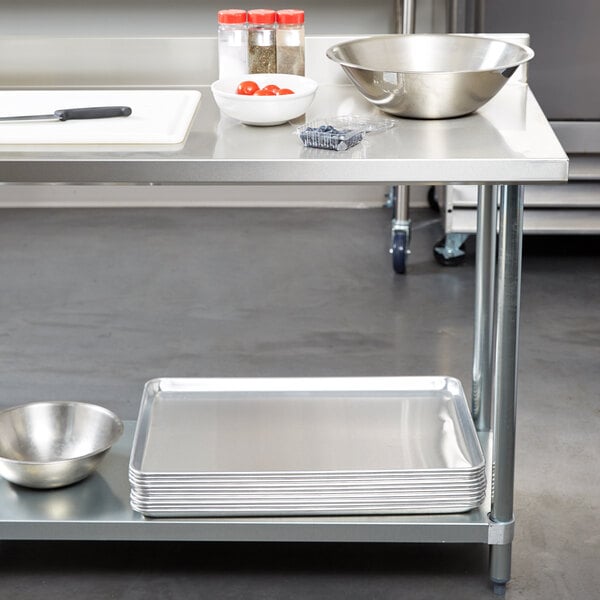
point(277, 426)
point(421, 493)
point(321, 501)
point(358, 488)
point(226, 504)
point(303, 479)
point(275, 509)
point(288, 512)
point(233, 481)
point(297, 489)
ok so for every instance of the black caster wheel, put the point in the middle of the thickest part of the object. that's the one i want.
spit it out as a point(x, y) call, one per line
point(445, 259)
point(399, 251)
point(432, 199)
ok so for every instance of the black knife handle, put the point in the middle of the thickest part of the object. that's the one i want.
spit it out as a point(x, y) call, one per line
point(94, 112)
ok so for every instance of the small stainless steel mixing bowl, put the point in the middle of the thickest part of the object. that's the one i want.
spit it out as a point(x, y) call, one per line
point(53, 444)
point(429, 76)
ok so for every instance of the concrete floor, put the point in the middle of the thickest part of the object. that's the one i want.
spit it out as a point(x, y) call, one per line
point(95, 302)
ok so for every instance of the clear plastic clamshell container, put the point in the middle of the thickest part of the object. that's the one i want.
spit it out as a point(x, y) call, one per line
point(340, 132)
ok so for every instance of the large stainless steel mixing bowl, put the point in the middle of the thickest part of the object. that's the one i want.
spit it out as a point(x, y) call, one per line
point(52, 444)
point(429, 76)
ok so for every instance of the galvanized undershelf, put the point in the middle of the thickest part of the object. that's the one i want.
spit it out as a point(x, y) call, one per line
point(98, 509)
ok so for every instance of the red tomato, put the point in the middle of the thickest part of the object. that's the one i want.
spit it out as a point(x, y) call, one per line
point(264, 92)
point(271, 87)
point(247, 88)
point(284, 92)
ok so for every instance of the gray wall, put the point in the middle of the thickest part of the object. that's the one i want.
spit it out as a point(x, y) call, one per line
point(197, 17)
point(565, 74)
point(177, 17)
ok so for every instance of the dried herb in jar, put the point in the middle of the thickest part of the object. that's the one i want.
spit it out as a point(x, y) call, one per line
point(262, 41)
point(290, 41)
point(290, 59)
point(261, 59)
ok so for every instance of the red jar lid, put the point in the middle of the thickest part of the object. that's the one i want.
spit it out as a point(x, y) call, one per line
point(262, 16)
point(290, 16)
point(231, 15)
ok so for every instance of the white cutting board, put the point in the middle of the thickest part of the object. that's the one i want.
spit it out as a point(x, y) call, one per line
point(158, 116)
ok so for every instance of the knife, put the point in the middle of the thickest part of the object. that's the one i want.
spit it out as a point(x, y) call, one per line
point(67, 114)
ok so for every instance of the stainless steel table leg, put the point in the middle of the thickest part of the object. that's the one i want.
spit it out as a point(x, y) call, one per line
point(508, 283)
point(483, 338)
point(500, 560)
point(405, 23)
point(405, 16)
point(451, 16)
point(479, 17)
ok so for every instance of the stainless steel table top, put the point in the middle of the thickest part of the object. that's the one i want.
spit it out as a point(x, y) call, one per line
point(508, 141)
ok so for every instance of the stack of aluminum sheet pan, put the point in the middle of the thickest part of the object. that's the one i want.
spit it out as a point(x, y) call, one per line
point(257, 447)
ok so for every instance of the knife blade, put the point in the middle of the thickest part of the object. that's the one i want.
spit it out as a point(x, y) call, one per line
point(68, 114)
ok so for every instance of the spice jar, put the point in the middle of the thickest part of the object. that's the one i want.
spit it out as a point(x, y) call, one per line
point(290, 41)
point(232, 35)
point(262, 41)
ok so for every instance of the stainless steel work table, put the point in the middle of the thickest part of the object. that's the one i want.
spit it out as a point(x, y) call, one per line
point(506, 144)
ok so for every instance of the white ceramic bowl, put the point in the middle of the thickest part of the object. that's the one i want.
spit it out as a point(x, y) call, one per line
point(264, 110)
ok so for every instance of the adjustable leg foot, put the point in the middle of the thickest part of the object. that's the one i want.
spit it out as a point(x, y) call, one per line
point(500, 559)
point(499, 589)
point(449, 251)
